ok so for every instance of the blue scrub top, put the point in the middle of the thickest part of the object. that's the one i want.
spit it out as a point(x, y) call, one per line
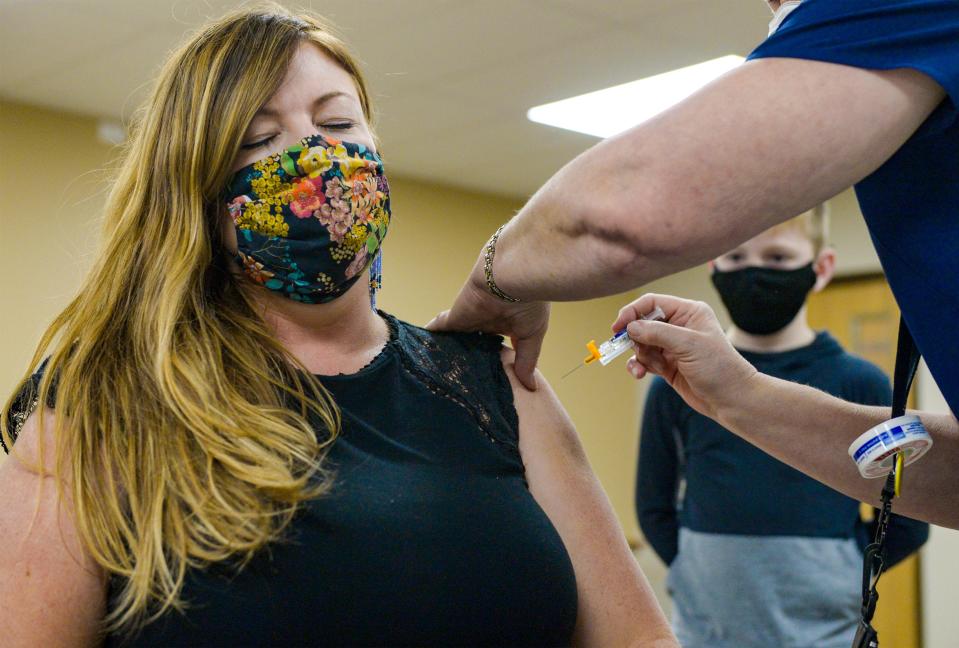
point(911, 203)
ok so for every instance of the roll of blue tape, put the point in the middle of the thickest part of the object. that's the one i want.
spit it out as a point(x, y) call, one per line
point(875, 451)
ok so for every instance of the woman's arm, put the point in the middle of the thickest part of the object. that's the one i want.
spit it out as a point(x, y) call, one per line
point(616, 604)
point(51, 592)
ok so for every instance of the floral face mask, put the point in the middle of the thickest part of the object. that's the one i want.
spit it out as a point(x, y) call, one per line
point(311, 219)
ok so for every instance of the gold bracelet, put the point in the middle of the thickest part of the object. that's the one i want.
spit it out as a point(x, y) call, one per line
point(490, 252)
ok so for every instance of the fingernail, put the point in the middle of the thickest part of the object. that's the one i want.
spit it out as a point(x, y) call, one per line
point(635, 371)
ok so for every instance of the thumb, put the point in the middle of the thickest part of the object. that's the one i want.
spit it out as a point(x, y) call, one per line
point(661, 334)
point(527, 353)
point(439, 322)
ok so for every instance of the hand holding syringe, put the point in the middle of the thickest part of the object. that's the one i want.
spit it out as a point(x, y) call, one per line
point(614, 346)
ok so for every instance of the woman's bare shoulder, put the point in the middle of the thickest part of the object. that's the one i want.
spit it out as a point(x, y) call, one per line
point(50, 587)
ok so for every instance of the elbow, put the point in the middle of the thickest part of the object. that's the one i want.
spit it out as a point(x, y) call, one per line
point(641, 243)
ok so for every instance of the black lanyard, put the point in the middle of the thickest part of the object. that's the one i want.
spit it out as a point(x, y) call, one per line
point(907, 359)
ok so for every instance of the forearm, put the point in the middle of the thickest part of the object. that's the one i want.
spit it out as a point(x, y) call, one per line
point(616, 217)
point(811, 431)
point(566, 244)
point(707, 174)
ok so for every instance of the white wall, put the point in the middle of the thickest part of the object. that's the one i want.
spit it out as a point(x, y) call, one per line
point(855, 254)
point(940, 557)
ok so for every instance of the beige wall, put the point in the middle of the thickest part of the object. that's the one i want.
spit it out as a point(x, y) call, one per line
point(50, 199)
point(940, 557)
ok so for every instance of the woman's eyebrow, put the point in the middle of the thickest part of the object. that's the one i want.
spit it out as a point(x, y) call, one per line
point(266, 111)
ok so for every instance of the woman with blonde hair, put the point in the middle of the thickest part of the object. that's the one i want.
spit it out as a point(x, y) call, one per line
point(226, 445)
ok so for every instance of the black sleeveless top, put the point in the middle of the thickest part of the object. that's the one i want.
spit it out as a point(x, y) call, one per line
point(429, 536)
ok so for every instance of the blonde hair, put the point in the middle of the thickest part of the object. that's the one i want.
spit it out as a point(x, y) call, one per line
point(190, 432)
point(814, 224)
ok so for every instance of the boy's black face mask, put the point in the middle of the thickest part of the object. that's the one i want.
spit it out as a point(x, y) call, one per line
point(764, 300)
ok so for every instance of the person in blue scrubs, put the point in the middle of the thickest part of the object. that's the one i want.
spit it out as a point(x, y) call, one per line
point(842, 93)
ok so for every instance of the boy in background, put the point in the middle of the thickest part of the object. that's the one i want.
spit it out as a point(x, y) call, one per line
point(759, 554)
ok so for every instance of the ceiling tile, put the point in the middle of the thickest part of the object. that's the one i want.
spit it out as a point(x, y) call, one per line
point(609, 58)
point(111, 83)
point(628, 14)
point(42, 38)
point(459, 38)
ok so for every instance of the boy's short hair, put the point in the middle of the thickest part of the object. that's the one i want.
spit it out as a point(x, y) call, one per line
point(813, 223)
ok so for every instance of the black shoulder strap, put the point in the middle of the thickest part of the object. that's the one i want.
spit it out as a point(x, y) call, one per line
point(26, 402)
point(907, 360)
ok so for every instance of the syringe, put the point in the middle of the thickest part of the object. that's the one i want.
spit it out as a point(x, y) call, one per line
point(614, 346)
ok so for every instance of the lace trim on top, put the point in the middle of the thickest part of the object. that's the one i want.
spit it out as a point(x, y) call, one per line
point(18, 417)
point(465, 369)
point(26, 404)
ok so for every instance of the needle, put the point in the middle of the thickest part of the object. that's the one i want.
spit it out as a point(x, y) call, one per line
point(572, 370)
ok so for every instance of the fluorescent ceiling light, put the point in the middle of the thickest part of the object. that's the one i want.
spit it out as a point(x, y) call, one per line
point(610, 111)
point(111, 132)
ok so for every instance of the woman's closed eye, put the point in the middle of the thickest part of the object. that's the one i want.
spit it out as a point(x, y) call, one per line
point(332, 125)
point(258, 143)
point(339, 125)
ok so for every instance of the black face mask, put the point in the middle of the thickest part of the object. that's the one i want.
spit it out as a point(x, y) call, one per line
point(763, 300)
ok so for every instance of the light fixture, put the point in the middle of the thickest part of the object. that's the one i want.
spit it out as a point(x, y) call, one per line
point(612, 110)
point(111, 132)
